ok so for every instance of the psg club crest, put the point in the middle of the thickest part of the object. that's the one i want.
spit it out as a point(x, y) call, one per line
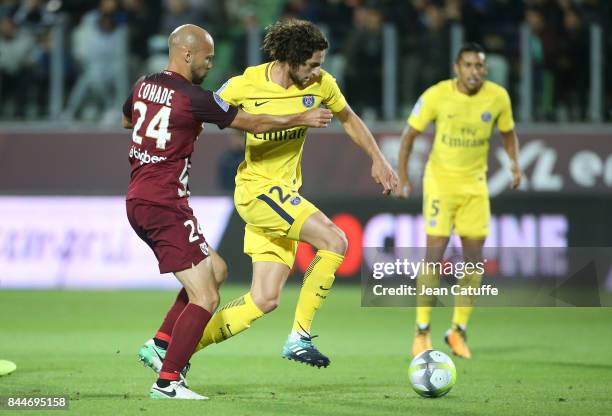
point(308, 101)
point(296, 200)
point(486, 116)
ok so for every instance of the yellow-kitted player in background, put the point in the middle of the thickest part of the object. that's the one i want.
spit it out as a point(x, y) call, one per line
point(455, 194)
point(268, 181)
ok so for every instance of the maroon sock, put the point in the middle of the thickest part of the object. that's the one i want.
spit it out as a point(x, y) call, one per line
point(188, 330)
point(165, 330)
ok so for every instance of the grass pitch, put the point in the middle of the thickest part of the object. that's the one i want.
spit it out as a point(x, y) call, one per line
point(525, 361)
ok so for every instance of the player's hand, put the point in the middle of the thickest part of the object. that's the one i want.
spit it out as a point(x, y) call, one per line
point(516, 176)
point(317, 117)
point(384, 175)
point(404, 187)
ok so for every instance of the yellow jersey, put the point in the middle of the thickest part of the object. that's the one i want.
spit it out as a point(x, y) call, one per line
point(463, 126)
point(276, 156)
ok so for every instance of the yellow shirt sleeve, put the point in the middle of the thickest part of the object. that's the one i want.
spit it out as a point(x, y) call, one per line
point(505, 121)
point(332, 96)
point(232, 91)
point(424, 111)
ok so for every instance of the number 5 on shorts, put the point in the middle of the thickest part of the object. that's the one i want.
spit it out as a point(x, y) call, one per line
point(435, 207)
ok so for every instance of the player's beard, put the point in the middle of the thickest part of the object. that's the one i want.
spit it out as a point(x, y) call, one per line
point(197, 80)
point(296, 79)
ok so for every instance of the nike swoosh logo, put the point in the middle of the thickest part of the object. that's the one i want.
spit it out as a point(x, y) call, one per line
point(158, 356)
point(169, 394)
point(261, 103)
point(324, 288)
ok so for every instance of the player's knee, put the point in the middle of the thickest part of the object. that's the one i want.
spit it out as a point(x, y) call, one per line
point(266, 303)
point(221, 273)
point(208, 300)
point(335, 240)
point(270, 305)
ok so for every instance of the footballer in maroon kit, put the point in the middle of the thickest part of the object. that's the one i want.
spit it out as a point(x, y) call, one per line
point(165, 112)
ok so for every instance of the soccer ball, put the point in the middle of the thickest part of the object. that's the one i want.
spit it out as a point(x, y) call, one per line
point(432, 373)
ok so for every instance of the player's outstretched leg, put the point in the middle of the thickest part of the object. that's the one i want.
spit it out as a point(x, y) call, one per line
point(456, 337)
point(422, 337)
point(331, 242)
point(152, 353)
point(236, 316)
point(201, 287)
point(231, 319)
point(425, 303)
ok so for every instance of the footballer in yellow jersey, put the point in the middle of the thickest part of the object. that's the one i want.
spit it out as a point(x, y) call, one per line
point(267, 195)
point(455, 196)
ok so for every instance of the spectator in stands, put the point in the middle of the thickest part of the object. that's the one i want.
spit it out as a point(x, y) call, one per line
point(429, 62)
point(8, 7)
point(500, 37)
point(304, 9)
point(16, 47)
point(100, 47)
point(33, 13)
point(572, 68)
point(363, 53)
point(176, 13)
point(143, 17)
point(543, 50)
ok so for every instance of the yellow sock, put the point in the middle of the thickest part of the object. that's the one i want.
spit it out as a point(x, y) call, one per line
point(423, 315)
point(425, 303)
point(318, 279)
point(465, 304)
point(233, 318)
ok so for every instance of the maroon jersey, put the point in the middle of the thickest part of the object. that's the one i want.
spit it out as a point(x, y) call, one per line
point(167, 112)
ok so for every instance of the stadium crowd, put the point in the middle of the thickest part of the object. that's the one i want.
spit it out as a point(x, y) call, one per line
point(93, 63)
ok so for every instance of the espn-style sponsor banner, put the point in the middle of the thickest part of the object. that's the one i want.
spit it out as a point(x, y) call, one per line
point(86, 242)
point(504, 277)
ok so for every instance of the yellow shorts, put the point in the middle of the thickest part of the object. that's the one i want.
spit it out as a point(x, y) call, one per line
point(274, 215)
point(463, 209)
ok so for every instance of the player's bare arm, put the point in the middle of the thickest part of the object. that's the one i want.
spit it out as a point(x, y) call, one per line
point(404, 187)
point(126, 123)
point(361, 135)
point(511, 145)
point(260, 123)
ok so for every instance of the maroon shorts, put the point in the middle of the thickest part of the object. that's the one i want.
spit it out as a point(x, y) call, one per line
point(172, 232)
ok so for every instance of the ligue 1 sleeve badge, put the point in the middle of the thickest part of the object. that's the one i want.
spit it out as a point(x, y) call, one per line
point(308, 101)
